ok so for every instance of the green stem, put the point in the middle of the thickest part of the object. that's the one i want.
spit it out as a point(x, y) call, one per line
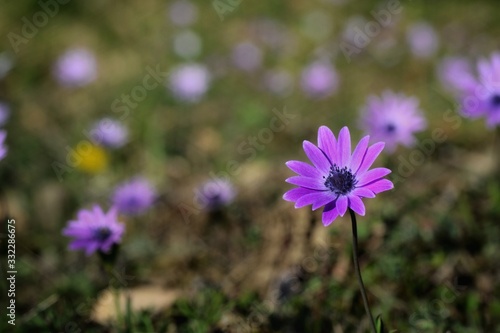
point(356, 267)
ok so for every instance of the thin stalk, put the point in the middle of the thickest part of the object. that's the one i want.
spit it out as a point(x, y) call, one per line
point(356, 267)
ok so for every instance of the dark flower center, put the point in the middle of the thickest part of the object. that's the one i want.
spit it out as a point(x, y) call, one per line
point(102, 233)
point(495, 100)
point(340, 181)
point(390, 128)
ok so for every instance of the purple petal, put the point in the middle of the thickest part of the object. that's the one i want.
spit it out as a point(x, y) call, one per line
point(307, 182)
point(342, 205)
point(359, 153)
point(317, 157)
point(318, 199)
point(322, 199)
point(356, 204)
point(372, 175)
point(330, 213)
point(303, 169)
point(344, 148)
point(295, 194)
point(370, 156)
point(380, 186)
point(363, 193)
point(327, 142)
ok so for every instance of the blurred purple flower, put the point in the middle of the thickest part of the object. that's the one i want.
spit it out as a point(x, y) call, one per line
point(109, 133)
point(393, 119)
point(479, 96)
point(423, 40)
point(134, 197)
point(338, 180)
point(189, 82)
point(94, 230)
point(183, 13)
point(4, 113)
point(76, 67)
point(3, 147)
point(215, 194)
point(455, 74)
point(319, 80)
point(247, 56)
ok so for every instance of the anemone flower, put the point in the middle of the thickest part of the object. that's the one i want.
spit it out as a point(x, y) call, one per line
point(337, 181)
point(94, 230)
point(393, 118)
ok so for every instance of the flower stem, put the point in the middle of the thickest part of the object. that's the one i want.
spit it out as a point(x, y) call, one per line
point(356, 267)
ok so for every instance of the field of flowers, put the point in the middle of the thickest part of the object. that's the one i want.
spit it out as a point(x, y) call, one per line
point(224, 166)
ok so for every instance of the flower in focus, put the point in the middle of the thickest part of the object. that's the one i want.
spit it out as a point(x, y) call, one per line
point(393, 119)
point(247, 56)
point(337, 179)
point(109, 133)
point(3, 148)
point(134, 197)
point(94, 230)
point(423, 40)
point(189, 82)
point(77, 67)
point(216, 193)
point(90, 158)
point(4, 113)
point(319, 80)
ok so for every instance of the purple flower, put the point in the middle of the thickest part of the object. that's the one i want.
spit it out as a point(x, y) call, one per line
point(319, 80)
point(93, 230)
point(4, 113)
point(337, 180)
point(215, 194)
point(3, 148)
point(247, 56)
point(393, 119)
point(109, 133)
point(422, 39)
point(134, 197)
point(189, 82)
point(479, 95)
point(487, 94)
point(77, 67)
point(455, 74)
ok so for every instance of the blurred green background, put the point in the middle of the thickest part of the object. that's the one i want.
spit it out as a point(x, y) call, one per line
point(430, 248)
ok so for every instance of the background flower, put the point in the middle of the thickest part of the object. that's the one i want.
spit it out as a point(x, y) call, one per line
point(109, 133)
point(134, 197)
point(393, 119)
point(94, 230)
point(76, 67)
point(216, 193)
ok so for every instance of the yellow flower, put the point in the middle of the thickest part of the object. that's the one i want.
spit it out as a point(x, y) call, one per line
point(91, 158)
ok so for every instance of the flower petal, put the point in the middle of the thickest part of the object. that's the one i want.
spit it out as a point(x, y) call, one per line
point(372, 175)
point(363, 192)
point(317, 157)
point(327, 142)
point(370, 156)
point(307, 182)
point(295, 194)
point(356, 204)
point(380, 186)
point(330, 213)
point(341, 203)
point(344, 148)
point(359, 153)
point(318, 199)
point(303, 169)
